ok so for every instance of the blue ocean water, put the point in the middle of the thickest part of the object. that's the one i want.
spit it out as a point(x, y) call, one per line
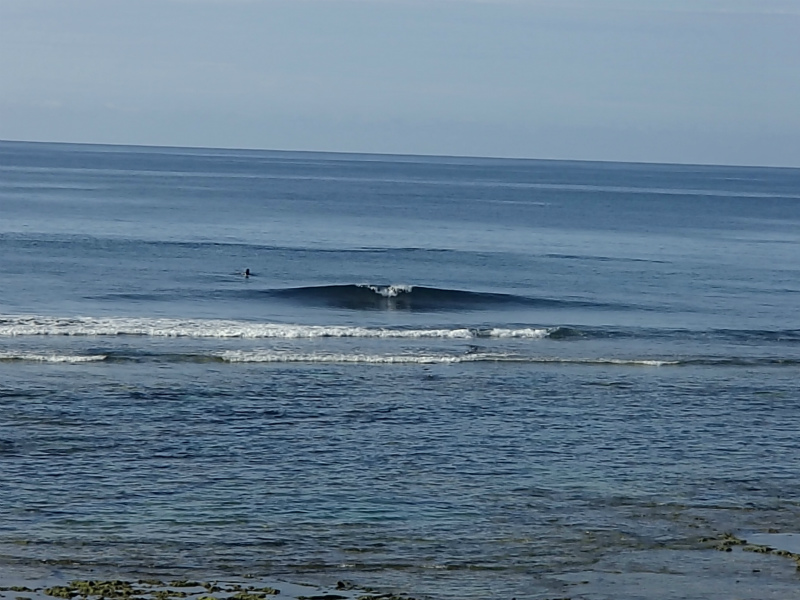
point(464, 378)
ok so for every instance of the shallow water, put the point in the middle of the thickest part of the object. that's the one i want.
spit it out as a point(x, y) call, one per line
point(458, 377)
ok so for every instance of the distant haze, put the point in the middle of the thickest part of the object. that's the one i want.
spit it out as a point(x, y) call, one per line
point(687, 81)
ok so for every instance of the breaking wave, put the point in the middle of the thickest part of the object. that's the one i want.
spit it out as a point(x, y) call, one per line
point(412, 298)
point(469, 357)
point(473, 354)
point(206, 328)
point(36, 325)
point(50, 358)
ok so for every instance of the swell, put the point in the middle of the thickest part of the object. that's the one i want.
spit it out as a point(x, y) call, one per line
point(376, 297)
point(413, 298)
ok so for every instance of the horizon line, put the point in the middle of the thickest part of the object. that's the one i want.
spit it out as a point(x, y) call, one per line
point(400, 155)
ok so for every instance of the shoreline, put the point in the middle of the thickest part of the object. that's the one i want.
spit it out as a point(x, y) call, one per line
point(57, 585)
point(727, 567)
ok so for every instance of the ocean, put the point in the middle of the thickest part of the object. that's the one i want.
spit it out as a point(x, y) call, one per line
point(453, 377)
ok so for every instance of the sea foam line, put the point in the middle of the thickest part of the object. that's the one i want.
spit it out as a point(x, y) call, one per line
point(89, 326)
point(238, 356)
point(50, 358)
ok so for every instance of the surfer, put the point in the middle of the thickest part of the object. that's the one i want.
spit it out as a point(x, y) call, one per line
point(247, 273)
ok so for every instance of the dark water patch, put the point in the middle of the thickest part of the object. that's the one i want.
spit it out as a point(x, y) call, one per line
point(605, 258)
point(742, 336)
point(609, 384)
point(784, 336)
point(569, 333)
point(132, 297)
point(585, 332)
point(735, 361)
point(143, 356)
point(134, 356)
point(113, 245)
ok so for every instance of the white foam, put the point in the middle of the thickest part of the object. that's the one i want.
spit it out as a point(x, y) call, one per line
point(271, 356)
point(525, 332)
point(51, 358)
point(637, 362)
point(629, 362)
point(388, 291)
point(88, 326)
point(296, 357)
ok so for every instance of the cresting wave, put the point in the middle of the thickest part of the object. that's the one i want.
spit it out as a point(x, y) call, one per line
point(89, 326)
point(388, 291)
point(366, 296)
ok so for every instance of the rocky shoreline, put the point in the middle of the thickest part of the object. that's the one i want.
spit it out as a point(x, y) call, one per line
point(152, 589)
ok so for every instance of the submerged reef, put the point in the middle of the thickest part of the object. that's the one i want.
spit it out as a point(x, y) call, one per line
point(152, 589)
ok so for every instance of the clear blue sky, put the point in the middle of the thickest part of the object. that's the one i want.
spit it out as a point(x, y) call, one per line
point(690, 81)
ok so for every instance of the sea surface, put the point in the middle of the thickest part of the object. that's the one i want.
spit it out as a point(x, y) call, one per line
point(454, 377)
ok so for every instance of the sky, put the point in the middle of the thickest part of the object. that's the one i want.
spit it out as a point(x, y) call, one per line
point(676, 81)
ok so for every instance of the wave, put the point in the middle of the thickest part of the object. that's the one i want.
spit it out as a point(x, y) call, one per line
point(271, 356)
point(208, 328)
point(473, 354)
point(469, 357)
point(37, 325)
point(50, 358)
point(367, 296)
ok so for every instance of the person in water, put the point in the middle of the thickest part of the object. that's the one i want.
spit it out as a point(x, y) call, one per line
point(247, 273)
